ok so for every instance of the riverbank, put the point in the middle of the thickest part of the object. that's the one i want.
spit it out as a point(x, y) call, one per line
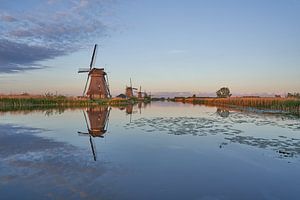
point(31, 102)
point(290, 105)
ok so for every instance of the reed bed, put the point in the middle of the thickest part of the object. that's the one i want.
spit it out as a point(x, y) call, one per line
point(291, 105)
point(19, 102)
point(11, 103)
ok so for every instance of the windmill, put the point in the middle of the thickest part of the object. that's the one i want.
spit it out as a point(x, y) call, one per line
point(141, 94)
point(98, 85)
point(129, 90)
point(129, 111)
point(97, 125)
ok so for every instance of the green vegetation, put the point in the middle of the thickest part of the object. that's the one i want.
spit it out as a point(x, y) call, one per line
point(42, 103)
point(49, 101)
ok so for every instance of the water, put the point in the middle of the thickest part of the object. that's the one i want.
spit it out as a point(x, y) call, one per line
point(154, 151)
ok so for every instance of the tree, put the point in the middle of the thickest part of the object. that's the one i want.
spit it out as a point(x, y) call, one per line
point(293, 95)
point(224, 92)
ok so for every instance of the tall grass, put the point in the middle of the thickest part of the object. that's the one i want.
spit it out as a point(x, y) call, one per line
point(291, 105)
point(10, 103)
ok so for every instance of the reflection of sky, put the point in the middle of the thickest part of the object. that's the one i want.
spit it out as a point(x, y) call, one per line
point(45, 167)
point(136, 164)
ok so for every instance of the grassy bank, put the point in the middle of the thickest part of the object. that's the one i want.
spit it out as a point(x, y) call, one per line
point(291, 105)
point(8, 103)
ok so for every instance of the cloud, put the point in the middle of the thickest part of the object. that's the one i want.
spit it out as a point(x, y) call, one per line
point(7, 18)
point(17, 57)
point(47, 30)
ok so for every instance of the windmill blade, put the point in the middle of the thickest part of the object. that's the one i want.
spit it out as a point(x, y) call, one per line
point(107, 85)
point(83, 70)
point(130, 118)
point(107, 118)
point(82, 133)
point(93, 148)
point(130, 83)
point(87, 124)
point(86, 83)
point(107, 121)
point(93, 57)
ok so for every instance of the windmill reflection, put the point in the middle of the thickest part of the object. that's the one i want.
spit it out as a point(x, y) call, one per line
point(129, 109)
point(135, 108)
point(142, 105)
point(96, 120)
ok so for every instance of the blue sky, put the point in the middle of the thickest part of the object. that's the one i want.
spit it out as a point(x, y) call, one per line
point(165, 46)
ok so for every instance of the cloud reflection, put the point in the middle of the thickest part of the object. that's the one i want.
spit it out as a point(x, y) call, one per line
point(227, 126)
point(46, 165)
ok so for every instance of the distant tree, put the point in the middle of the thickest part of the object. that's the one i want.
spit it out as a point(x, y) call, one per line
point(289, 95)
point(224, 92)
point(293, 95)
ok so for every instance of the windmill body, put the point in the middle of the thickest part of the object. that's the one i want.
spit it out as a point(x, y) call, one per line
point(98, 84)
point(140, 94)
point(98, 87)
point(129, 90)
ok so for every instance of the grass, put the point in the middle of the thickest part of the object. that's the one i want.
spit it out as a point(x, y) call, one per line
point(291, 105)
point(40, 102)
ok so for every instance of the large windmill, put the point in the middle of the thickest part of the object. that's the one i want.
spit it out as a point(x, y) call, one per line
point(98, 85)
point(129, 90)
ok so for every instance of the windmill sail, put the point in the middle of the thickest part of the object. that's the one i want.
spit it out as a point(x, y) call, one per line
point(86, 83)
point(107, 85)
point(96, 85)
point(93, 57)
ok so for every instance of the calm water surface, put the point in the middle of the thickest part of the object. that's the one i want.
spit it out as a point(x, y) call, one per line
point(157, 151)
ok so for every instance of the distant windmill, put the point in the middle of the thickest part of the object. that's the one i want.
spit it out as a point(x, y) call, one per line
point(98, 87)
point(129, 90)
point(141, 94)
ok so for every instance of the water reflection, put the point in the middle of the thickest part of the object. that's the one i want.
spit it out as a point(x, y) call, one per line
point(230, 126)
point(97, 124)
point(223, 112)
point(49, 169)
point(132, 109)
point(48, 111)
point(129, 109)
point(161, 149)
point(142, 105)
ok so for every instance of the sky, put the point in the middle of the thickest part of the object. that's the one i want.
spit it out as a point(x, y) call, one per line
point(170, 48)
